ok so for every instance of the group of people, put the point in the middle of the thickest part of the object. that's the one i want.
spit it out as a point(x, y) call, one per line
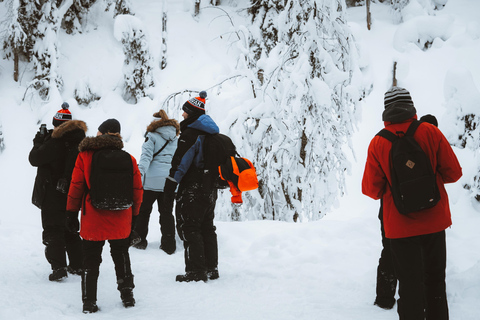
point(171, 168)
point(171, 159)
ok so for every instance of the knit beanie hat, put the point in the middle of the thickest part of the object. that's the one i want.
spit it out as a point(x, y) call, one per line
point(398, 105)
point(109, 126)
point(195, 105)
point(62, 115)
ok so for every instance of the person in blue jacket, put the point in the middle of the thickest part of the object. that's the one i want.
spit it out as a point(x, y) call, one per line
point(196, 196)
point(154, 165)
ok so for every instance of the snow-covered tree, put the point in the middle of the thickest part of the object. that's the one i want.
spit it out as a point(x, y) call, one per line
point(163, 63)
point(2, 143)
point(138, 65)
point(397, 8)
point(85, 92)
point(462, 100)
point(15, 38)
point(304, 58)
point(45, 51)
point(75, 15)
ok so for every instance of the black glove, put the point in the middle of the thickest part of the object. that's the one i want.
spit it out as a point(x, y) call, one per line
point(71, 222)
point(169, 194)
point(39, 138)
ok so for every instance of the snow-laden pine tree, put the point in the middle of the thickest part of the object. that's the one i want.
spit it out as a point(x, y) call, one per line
point(14, 39)
point(76, 14)
point(304, 57)
point(138, 65)
point(45, 52)
point(462, 98)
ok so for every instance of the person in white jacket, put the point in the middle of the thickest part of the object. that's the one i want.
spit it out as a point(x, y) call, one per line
point(155, 162)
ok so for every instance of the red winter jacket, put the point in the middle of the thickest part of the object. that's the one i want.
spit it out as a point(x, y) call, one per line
point(377, 172)
point(97, 224)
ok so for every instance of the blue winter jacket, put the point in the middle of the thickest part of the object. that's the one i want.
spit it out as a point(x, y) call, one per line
point(190, 145)
point(155, 170)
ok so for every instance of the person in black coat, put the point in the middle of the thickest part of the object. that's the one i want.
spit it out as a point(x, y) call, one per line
point(54, 153)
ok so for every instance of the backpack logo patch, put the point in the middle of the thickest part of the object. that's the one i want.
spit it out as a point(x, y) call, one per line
point(410, 164)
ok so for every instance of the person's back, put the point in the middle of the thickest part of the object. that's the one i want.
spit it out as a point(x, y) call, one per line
point(154, 165)
point(54, 153)
point(417, 239)
point(98, 225)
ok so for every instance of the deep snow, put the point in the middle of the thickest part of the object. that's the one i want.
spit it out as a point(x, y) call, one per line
point(269, 270)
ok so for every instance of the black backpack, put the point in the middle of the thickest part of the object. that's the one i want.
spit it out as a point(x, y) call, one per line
point(217, 150)
point(414, 185)
point(111, 180)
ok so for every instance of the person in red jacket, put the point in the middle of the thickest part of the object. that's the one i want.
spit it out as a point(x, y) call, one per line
point(417, 240)
point(98, 225)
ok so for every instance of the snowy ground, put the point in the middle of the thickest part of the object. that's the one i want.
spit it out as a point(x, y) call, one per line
point(269, 270)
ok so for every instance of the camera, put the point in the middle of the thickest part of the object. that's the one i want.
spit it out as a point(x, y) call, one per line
point(63, 185)
point(43, 129)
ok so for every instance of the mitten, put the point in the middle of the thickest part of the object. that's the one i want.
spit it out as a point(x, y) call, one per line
point(71, 222)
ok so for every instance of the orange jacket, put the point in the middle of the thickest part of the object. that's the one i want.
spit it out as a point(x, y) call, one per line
point(97, 224)
point(377, 173)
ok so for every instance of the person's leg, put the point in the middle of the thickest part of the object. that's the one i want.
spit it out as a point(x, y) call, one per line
point(191, 211)
point(386, 279)
point(73, 244)
point(408, 264)
point(123, 270)
point(92, 257)
point(435, 261)
point(210, 238)
point(143, 218)
point(54, 241)
point(167, 226)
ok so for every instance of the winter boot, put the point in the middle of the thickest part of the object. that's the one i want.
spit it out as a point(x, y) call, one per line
point(89, 291)
point(142, 245)
point(90, 306)
point(168, 244)
point(125, 286)
point(192, 276)
point(212, 274)
point(58, 275)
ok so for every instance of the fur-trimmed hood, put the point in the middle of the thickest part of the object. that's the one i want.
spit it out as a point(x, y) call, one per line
point(154, 125)
point(69, 126)
point(106, 141)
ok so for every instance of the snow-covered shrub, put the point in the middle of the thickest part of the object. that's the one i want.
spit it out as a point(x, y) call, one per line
point(463, 116)
point(2, 143)
point(138, 65)
point(305, 115)
point(422, 31)
point(85, 92)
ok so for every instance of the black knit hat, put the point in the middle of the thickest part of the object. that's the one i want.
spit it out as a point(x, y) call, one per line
point(62, 115)
point(195, 105)
point(398, 105)
point(109, 126)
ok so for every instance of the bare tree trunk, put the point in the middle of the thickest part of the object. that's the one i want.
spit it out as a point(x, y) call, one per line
point(163, 64)
point(394, 82)
point(369, 15)
point(197, 8)
point(15, 64)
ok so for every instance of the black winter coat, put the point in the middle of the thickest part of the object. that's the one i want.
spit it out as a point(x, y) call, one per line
point(55, 158)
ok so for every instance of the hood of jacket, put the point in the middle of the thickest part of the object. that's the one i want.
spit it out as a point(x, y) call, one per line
point(67, 128)
point(106, 141)
point(168, 129)
point(205, 124)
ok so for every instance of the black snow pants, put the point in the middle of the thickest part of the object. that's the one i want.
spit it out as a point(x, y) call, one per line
point(386, 279)
point(92, 252)
point(195, 211)
point(59, 242)
point(167, 221)
point(420, 264)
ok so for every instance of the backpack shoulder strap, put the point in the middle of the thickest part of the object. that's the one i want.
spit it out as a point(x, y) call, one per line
point(412, 128)
point(161, 149)
point(390, 136)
